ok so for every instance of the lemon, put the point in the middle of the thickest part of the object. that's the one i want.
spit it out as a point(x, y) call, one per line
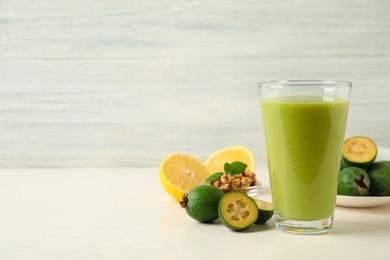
point(230, 154)
point(179, 173)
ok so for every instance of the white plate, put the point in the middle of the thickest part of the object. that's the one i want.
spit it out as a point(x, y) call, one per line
point(365, 201)
point(362, 202)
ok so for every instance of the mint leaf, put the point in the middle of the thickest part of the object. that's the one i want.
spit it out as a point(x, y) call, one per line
point(235, 167)
point(214, 177)
point(226, 167)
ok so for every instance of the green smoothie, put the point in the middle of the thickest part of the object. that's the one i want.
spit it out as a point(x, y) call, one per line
point(304, 137)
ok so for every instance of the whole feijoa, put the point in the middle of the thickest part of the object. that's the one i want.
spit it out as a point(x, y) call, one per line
point(379, 173)
point(353, 181)
point(201, 203)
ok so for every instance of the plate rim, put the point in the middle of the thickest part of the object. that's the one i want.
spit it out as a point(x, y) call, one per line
point(362, 201)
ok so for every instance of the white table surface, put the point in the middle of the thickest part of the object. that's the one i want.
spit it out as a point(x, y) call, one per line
point(123, 213)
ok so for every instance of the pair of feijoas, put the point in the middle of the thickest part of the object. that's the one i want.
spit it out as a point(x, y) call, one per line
point(360, 174)
point(236, 210)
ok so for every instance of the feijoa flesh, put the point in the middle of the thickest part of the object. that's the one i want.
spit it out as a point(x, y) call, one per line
point(379, 173)
point(359, 151)
point(201, 203)
point(237, 210)
point(353, 181)
point(266, 211)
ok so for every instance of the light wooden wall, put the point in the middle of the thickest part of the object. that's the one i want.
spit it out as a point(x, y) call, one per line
point(125, 83)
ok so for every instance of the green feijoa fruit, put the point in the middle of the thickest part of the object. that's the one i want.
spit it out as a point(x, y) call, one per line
point(342, 164)
point(359, 151)
point(237, 210)
point(379, 173)
point(353, 181)
point(201, 203)
point(266, 211)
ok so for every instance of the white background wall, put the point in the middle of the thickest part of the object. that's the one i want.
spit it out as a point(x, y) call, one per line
point(125, 83)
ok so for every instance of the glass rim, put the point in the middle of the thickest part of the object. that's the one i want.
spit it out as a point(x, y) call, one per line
point(304, 83)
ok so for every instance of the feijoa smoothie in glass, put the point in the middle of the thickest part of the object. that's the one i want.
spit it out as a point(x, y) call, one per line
point(304, 182)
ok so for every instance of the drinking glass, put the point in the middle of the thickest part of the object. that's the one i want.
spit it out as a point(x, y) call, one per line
point(304, 125)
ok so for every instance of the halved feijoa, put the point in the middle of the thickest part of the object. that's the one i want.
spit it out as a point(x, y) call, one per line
point(237, 210)
point(359, 151)
point(353, 181)
point(266, 211)
point(201, 203)
point(379, 173)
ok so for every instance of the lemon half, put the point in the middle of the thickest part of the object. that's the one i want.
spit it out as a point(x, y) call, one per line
point(179, 173)
point(215, 163)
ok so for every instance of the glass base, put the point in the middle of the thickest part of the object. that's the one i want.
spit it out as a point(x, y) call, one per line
point(304, 227)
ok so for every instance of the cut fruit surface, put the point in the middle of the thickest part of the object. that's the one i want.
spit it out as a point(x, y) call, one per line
point(179, 173)
point(266, 211)
point(237, 210)
point(215, 163)
point(359, 151)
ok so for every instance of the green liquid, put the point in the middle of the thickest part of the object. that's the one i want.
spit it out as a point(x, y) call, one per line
point(304, 137)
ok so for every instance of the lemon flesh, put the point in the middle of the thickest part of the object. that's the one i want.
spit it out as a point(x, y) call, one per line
point(216, 161)
point(179, 173)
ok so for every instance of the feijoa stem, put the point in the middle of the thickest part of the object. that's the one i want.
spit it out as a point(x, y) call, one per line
point(184, 202)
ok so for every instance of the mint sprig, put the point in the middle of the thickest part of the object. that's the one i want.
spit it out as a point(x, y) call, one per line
point(234, 168)
point(229, 168)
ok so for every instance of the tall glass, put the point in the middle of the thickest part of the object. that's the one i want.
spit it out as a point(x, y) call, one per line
point(304, 125)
